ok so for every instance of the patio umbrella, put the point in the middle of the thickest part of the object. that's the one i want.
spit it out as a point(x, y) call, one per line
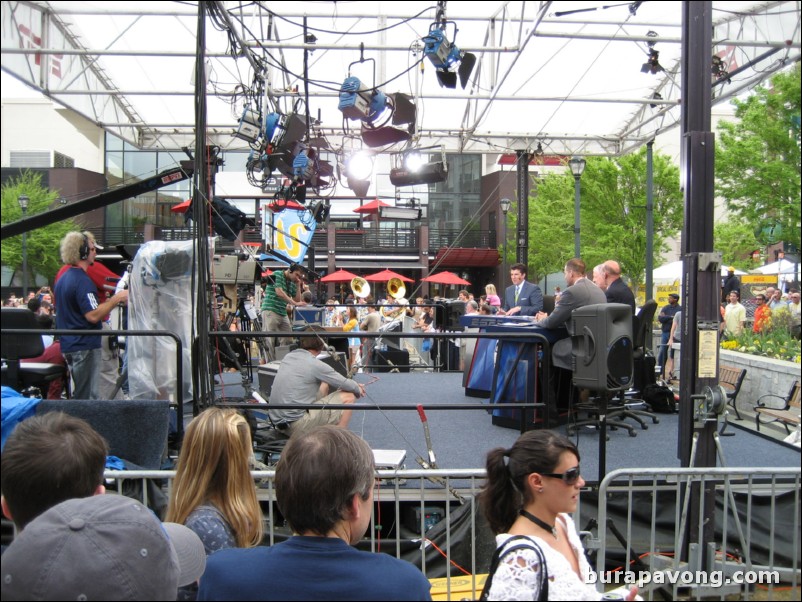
point(339, 276)
point(371, 208)
point(386, 275)
point(446, 278)
point(181, 207)
point(267, 272)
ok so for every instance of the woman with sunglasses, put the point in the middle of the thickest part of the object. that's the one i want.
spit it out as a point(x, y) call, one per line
point(531, 490)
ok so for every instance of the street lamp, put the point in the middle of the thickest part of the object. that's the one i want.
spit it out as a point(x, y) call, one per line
point(577, 165)
point(23, 203)
point(505, 207)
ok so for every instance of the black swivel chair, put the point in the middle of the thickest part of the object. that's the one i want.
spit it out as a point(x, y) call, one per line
point(548, 303)
point(644, 364)
point(15, 374)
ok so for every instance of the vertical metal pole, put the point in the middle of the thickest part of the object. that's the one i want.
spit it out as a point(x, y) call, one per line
point(504, 262)
point(577, 193)
point(649, 293)
point(24, 261)
point(523, 207)
point(700, 309)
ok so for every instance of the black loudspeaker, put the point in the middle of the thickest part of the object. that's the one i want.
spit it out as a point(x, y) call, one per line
point(602, 347)
point(391, 360)
point(447, 315)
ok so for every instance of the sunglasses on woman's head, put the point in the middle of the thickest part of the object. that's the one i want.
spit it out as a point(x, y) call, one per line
point(569, 477)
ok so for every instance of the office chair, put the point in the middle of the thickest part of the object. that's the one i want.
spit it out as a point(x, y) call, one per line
point(15, 347)
point(644, 363)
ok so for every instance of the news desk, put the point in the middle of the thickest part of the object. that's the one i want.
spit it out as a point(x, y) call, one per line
point(512, 370)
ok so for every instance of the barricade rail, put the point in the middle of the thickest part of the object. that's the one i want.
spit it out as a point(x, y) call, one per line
point(642, 528)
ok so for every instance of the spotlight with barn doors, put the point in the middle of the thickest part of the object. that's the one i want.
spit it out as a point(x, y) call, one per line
point(445, 55)
point(431, 172)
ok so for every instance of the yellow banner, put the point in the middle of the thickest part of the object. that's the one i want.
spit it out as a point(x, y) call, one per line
point(759, 279)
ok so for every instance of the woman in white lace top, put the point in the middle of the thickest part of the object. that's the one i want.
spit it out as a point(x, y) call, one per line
point(531, 488)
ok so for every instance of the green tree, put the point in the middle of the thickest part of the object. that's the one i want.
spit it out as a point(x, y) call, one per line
point(612, 214)
point(736, 241)
point(758, 159)
point(42, 243)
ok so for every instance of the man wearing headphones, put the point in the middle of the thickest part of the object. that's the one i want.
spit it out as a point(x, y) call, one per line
point(79, 309)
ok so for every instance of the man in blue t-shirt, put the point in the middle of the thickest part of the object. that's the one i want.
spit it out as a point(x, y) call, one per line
point(79, 309)
point(324, 489)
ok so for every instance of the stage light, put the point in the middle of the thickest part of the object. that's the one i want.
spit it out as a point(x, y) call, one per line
point(718, 70)
point(652, 65)
point(359, 165)
point(249, 126)
point(404, 114)
point(358, 102)
point(414, 161)
point(426, 173)
point(655, 96)
point(320, 210)
point(445, 56)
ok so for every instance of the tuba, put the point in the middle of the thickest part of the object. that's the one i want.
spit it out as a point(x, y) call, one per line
point(360, 287)
point(397, 290)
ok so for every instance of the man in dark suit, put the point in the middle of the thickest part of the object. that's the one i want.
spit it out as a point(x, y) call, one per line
point(522, 298)
point(617, 291)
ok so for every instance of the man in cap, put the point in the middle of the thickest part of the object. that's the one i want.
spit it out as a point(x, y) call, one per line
point(104, 547)
point(665, 317)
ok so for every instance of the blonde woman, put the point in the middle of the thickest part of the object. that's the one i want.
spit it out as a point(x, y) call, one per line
point(213, 492)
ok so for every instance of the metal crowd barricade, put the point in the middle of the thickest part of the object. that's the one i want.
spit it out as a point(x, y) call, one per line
point(653, 505)
point(646, 496)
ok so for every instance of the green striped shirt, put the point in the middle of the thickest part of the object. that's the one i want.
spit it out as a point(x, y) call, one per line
point(271, 301)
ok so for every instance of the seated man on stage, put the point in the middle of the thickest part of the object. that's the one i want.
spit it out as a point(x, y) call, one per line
point(303, 379)
point(580, 292)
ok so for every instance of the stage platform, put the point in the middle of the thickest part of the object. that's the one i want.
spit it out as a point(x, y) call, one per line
point(462, 438)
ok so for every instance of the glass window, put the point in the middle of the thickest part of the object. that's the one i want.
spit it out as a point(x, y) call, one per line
point(235, 160)
point(139, 165)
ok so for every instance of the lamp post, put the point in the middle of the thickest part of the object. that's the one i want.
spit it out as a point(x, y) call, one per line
point(505, 207)
point(23, 203)
point(577, 165)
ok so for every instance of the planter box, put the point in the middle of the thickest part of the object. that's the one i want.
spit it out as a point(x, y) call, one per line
point(763, 375)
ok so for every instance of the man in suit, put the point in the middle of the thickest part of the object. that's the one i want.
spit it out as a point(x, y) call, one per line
point(580, 292)
point(522, 298)
point(617, 291)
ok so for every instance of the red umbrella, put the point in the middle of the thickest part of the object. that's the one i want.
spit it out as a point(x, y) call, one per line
point(267, 272)
point(386, 275)
point(181, 207)
point(339, 276)
point(371, 208)
point(446, 278)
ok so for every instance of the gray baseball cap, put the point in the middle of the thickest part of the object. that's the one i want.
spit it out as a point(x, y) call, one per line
point(104, 547)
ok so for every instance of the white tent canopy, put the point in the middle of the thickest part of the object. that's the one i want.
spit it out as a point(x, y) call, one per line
point(783, 266)
point(673, 271)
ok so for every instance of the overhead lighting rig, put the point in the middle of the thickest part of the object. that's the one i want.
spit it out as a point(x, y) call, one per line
point(446, 57)
point(652, 65)
point(386, 118)
point(411, 169)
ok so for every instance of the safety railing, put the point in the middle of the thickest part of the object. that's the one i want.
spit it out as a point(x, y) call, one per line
point(432, 519)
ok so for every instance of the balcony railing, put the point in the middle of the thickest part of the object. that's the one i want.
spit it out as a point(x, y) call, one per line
point(370, 240)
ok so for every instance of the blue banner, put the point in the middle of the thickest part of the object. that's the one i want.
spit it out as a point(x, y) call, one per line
point(291, 236)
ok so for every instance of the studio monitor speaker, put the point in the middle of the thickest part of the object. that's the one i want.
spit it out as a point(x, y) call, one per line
point(602, 347)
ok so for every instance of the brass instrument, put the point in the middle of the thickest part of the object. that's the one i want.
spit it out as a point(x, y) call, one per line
point(360, 287)
point(396, 290)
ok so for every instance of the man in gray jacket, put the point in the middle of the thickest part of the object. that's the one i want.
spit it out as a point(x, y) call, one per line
point(303, 379)
point(580, 292)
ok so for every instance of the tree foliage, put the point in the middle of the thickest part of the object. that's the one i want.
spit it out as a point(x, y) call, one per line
point(736, 240)
point(612, 214)
point(42, 243)
point(758, 159)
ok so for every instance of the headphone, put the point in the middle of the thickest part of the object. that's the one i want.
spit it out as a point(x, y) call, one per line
point(84, 251)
